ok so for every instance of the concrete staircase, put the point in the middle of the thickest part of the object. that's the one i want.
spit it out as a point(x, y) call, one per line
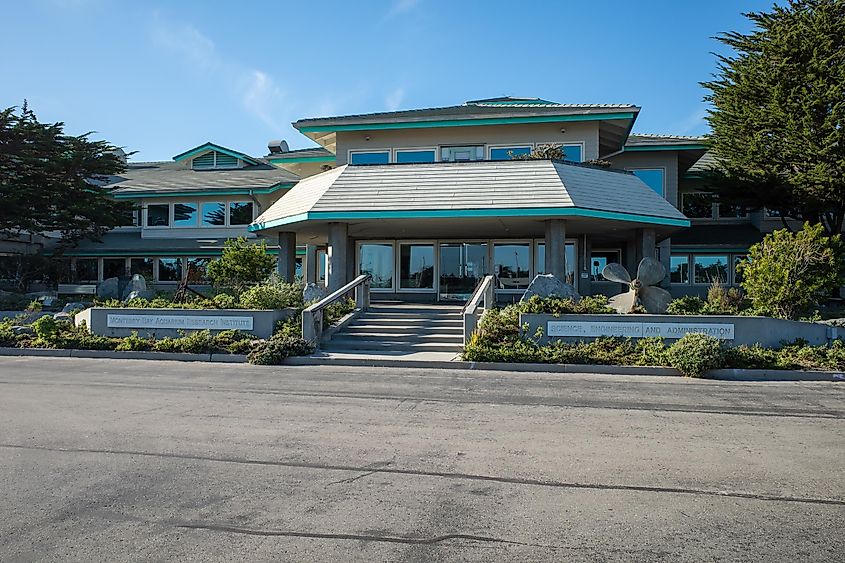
point(401, 329)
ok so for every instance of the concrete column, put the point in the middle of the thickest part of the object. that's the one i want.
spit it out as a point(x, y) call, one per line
point(286, 262)
point(556, 248)
point(310, 266)
point(665, 256)
point(583, 280)
point(338, 254)
point(647, 244)
point(350, 260)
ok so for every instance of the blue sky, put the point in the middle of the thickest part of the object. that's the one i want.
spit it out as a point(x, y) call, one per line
point(161, 77)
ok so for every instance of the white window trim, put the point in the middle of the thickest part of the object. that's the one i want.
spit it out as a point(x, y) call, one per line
point(394, 156)
point(581, 144)
point(358, 245)
point(169, 225)
point(435, 271)
point(350, 152)
point(662, 168)
point(200, 214)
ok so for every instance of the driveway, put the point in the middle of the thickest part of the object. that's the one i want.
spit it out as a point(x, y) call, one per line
point(132, 460)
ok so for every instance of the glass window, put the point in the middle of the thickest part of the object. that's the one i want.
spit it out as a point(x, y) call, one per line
point(407, 156)
point(213, 213)
point(114, 268)
point(540, 261)
point(462, 265)
point(87, 269)
point(738, 259)
point(709, 269)
point(376, 259)
point(142, 266)
point(375, 157)
point(599, 259)
point(169, 269)
point(461, 154)
point(196, 270)
point(731, 210)
point(185, 214)
point(240, 213)
point(511, 264)
point(697, 205)
point(652, 177)
point(572, 153)
point(322, 264)
point(158, 215)
point(679, 268)
point(507, 153)
point(416, 266)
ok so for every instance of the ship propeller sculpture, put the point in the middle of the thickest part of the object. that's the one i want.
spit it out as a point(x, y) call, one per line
point(642, 290)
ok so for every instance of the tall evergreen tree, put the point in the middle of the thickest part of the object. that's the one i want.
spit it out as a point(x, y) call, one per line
point(52, 182)
point(778, 115)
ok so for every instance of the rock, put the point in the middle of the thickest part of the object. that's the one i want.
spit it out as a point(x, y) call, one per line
point(547, 285)
point(73, 306)
point(312, 292)
point(136, 284)
point(18, 330)
point(144, 294)
point(109, 289)
point(62, 316)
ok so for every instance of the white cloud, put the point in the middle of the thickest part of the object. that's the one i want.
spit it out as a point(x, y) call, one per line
point(692, 123)
point(261, 98)
point(187, 42)
point(400, 7)
point(393, 100)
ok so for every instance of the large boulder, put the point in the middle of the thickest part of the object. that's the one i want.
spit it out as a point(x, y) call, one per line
point(137, 284)
point(547, 285)
point(109, 289)
point(312, 292)
point(145, 294)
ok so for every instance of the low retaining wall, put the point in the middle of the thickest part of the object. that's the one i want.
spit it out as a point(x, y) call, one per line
point(159, 323)
point(734, 331)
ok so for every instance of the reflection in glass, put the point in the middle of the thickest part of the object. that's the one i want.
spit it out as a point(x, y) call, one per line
point(600, 259)
point(380, 157)
point(540, 261)
point(738, 259)
point(651, 177)
point(185, 214)
point(462, 265)
point(142, 266)
point(709, 269)
point(416, 266)
point(196, 270)
point(114, 268)
point(511, 265)
point(86, 269)
point(415, 156)
point(158, 215)
point(169, 269)
point(240, 213)
point(679, 269)
point(213, 213)
point(507, 153)
point(377, 260)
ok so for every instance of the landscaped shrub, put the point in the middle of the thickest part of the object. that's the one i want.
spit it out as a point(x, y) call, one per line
point(788, 274)
point(337, 311)
point(234, 341)
point(242, 263)
point(756, 357)
point(595, 304)
point(687, 305)
point(7, 336)
point(34, 307)
point(47, 327)
point(724, 301)
point(652, 352)
point(134, 343)
point(272, 294)
point(277, 348)
point(695, 354)
point(225, 301)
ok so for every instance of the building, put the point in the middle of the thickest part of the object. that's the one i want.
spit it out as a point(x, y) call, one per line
point(428, 201)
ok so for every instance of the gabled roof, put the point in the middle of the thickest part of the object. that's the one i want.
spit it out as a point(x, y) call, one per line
point(529, 188)
point(211, 146)
point(160, 179)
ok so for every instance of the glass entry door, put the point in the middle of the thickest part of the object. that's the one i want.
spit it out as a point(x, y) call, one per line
point(462, 266)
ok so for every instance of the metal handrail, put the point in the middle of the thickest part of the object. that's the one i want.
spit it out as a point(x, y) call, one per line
point(312, 316)
point(483, 292)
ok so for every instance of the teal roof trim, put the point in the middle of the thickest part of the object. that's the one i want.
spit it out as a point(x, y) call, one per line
point(278, 160)
point(245, 191)
point(468, 213)
point(218, 148)
point(644, 148)
point(467, 122)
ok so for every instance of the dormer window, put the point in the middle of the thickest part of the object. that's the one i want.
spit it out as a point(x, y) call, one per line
point(215, 160)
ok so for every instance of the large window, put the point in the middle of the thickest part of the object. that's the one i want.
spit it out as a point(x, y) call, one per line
point(540, 261)
point(507, 153)
point(196, 270)
point(240, 213)
point(416, 266)
point(414, 155)
point(369, 157)
point(599, 259)
point(169, 269)
point(679, 268)
point(652, 177)
point(158, 215)
point(114, 268)
point(572, 153)
point(87, 269)
point(512, 264)
point(141, 266)
point(376, 259)
point(709, 269)
point(697, 205)
point(462, 154)
point(185, 214)
point(729, 210)
point(213, 214)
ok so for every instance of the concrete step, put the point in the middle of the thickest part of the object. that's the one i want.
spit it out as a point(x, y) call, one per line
point(399, 337)
point(404, 328)
point(340, 344)
point(422, 323)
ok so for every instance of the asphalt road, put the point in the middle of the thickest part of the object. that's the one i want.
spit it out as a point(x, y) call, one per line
point(129, 460)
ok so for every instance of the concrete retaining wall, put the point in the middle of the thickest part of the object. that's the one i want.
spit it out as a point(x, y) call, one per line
point(734, 331)
point(159, 323)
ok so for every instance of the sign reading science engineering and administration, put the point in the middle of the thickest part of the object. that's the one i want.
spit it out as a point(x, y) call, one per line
point(594, 329)
point(188, 322)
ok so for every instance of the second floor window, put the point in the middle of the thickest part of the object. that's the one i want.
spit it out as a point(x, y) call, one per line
point(652, 177)
point(369, 157)
point(158, 215)
point(462, 153)
point(240, 213)
point(507, 153)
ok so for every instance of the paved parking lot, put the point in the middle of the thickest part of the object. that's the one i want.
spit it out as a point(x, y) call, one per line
point(131, 460)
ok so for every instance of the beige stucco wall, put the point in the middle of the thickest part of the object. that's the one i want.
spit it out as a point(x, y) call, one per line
point(575, 132)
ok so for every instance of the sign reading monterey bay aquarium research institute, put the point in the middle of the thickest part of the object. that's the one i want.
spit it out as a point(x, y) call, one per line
point(637, 329)
point(186, 322)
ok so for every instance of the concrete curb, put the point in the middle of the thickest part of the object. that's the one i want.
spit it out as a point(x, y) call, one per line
point(124, 355)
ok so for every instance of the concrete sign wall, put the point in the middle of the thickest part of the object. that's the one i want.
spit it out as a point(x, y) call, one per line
point(168, 322)
point(733, 330)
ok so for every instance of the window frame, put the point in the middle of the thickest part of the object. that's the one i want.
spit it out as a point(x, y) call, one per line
point(229, 213)
point(392, 244)
point(728, 268)
point(157, 270)
point(661, 168)
point(173, 214)
point(686, 255)
point(618, 252)
point(491, 148)
point(581, 144)
point(394, 158)
point(398, 266)
point(146, 210)
point(350, 152)
point(465, 145)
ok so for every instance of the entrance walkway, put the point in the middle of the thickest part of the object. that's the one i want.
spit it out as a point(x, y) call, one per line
point(408, 331)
